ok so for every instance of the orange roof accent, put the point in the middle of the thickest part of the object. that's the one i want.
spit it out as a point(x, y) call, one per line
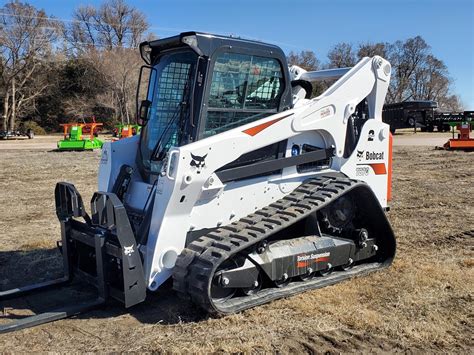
point(253, 131)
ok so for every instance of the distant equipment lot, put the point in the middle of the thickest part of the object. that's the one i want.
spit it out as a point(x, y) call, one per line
point(422, 114)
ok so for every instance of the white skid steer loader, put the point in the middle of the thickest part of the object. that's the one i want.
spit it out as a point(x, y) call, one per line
point(240, 187)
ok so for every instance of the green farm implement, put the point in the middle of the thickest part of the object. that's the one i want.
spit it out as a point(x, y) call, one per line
point(80, 136)
point(126, 130)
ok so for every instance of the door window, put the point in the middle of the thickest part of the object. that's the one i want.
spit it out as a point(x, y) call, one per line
point(244, 88)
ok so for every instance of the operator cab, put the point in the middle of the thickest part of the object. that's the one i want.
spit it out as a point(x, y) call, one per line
point(200, 85)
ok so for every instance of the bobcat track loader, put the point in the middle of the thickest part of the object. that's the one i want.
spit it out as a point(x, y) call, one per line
point(240, 187)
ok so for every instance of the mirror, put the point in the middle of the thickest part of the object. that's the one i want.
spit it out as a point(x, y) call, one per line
point(143, 93)
point(143, 112)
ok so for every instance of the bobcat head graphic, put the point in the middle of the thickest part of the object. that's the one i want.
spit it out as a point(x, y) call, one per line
point(360, 154)
point(128, 250)
point(198, 162)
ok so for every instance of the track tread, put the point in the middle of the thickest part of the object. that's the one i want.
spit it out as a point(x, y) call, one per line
point(197, 263)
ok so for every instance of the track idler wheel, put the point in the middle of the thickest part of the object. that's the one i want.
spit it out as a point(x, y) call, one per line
point(327, 271)
point(348, 266)
point(219, 292)
point(283, 282)
point(257, 286)
point(310, 274)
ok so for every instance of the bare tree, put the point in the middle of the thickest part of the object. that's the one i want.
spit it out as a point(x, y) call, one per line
point(429, 80)
point(341, 56)
point(126, 23)
point(26, 38)
point(108, 36)
point(418, 75)
point(113, 24)
point(370, 49)
point(308, 61)
point(82, 33)
point(119, 68)
point(450, 103)
point(405, 57)
point(305, 59)
point(81, 83)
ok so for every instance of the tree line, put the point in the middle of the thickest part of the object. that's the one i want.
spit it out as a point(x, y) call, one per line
point(54, 71)
point(416, 72)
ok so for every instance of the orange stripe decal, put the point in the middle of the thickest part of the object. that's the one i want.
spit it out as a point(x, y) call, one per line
point(378, 168)
point(301, 264)
point(252, 131)
point(306, 263)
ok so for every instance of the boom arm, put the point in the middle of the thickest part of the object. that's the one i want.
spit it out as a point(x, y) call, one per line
point(298, 73)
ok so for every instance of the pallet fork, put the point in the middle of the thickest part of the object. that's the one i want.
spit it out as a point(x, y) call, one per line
point(108, 238)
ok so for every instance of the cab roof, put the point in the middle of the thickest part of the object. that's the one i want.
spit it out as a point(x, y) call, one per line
point(205, 44)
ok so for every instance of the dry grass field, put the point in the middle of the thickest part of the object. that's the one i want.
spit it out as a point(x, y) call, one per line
point(422, 303)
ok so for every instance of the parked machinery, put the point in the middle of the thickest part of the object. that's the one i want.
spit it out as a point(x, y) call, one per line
point(449, 120)
point(422, 114)
point(19, 133)
point(240, 187)
point(463, 141)
point(122, 131)
point(410, 114)
point(80, 136)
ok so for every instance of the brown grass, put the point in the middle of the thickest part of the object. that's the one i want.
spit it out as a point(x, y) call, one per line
point(422, 303)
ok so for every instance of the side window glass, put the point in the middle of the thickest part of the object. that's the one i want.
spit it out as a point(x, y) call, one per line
point(264, 84)
point(244, 88)
point(229, 81)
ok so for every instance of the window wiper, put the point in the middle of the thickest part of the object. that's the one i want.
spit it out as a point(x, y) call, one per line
point(157, 151)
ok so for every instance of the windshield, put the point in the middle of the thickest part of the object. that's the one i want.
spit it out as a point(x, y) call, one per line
point(170, 87)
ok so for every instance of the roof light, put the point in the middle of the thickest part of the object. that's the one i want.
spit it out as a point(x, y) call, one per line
point(192, 42)
point(145, 52)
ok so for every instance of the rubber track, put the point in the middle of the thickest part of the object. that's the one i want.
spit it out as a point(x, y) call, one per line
point(197, 263)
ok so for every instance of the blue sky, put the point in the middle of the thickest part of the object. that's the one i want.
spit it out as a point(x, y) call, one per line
point(447, 25)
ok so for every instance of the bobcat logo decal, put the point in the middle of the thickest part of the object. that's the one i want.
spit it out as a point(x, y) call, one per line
point(198, 162)
point(128, 250)
point(360, 154)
